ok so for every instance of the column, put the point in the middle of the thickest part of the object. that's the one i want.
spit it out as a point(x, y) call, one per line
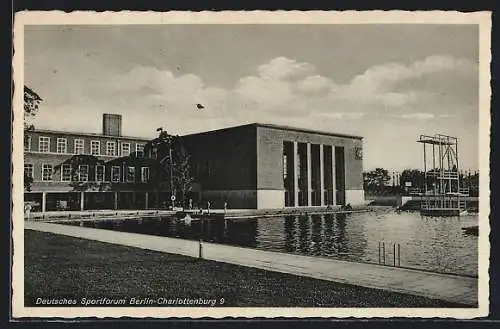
point(82, 201)
point(334, 184)
point(321, 175)
point(295, 174)
point(44, 201)
point(309, 172)
point(146, 197)
point(116, 200)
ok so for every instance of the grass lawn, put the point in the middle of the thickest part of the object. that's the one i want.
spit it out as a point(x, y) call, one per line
point(60, 266)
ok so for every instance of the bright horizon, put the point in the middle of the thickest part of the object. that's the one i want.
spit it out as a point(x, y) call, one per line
point(386, 83)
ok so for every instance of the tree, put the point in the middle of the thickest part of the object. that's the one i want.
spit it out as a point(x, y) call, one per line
point(91, 162)
point(414, 176)
point(375, 180)
point(31, 103)
point(173, 164)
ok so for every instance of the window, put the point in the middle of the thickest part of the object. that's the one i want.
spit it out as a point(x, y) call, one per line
point(285, 166)
point(47, 172)
point(111, 149)
point(66, 172)
point(44, 144)
point(99, 173)
point(139, 150)
point(95, 147)
point(145, 174)
point(28, 170)
point(125, 149)
point(62, 145)
point(211, 167)
point(153, 153)
point(83, 173)
point(27, 143)
point(131, 174)
point(79, 146)
point(115, 174)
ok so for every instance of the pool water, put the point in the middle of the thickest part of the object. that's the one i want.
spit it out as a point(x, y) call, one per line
point(430, 243)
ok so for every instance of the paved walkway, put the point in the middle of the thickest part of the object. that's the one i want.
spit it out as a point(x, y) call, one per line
point(450, 288)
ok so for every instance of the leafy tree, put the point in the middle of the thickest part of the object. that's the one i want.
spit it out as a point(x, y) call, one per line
point(173, 166)
point(375, 180)
point(91, 161)
point(414, 176)
point(31, 103)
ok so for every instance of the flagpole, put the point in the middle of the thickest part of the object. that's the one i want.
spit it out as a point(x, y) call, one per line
point(171, 177)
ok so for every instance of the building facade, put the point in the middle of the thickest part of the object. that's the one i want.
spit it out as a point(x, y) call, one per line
point(269, 166)
point(253, 166)
point(78, 171)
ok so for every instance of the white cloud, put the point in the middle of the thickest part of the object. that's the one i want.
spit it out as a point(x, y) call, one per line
point(378, 84)
point(282, 68)
point(280, 87)
point(282, 91)
point(315, 85)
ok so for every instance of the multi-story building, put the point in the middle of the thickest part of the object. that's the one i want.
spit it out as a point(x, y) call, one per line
point(249, 166)
point(76, 171)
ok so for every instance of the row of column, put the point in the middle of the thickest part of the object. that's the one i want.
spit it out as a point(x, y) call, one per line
point(309, 174)
point(82, 200)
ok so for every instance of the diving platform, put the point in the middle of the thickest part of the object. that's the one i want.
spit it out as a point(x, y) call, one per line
point(442, 193)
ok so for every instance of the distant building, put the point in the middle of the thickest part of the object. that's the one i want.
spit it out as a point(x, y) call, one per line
point(250, 166)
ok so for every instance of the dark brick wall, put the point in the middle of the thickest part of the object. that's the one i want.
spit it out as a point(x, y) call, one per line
point(270, 151)
point(87, 141)
point(37, 159)
point(230, 154)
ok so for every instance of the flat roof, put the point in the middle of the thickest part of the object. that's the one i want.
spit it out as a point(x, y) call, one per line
point(62, 132)
point(264, 125)
point(279, 127)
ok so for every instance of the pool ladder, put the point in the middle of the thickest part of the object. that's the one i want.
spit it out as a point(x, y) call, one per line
point(382, 259)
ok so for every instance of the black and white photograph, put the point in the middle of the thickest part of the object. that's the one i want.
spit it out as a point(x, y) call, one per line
point(252, 164)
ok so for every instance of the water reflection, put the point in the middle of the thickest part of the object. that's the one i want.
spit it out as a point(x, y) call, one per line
point(437, 244)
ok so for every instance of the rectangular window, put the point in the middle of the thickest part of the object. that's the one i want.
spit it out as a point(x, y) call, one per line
point(110, 148)
point(285, 166)
point(115, 174)
point(44, 144)
point(125, 149)
point(130, 174)
point(139, 150)
point(95, 147)
point(28, 170)
point(62, 145)
point(154, 153)
point(66, 172)
point(47, 172)
point(145, 174)
point(83, 173)
point(79, 146)
point(99, 173)
point(211, 167)
point(27, 143)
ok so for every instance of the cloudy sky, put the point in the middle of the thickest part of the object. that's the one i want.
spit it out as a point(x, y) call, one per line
point(387, 83)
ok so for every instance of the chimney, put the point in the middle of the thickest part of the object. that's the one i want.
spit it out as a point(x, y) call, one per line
point(112, 124)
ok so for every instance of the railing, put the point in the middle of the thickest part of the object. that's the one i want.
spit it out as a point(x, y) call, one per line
point(447, 203)
point(446, 174)
point(396, 254)
point(464, 191)
point(95, 215)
